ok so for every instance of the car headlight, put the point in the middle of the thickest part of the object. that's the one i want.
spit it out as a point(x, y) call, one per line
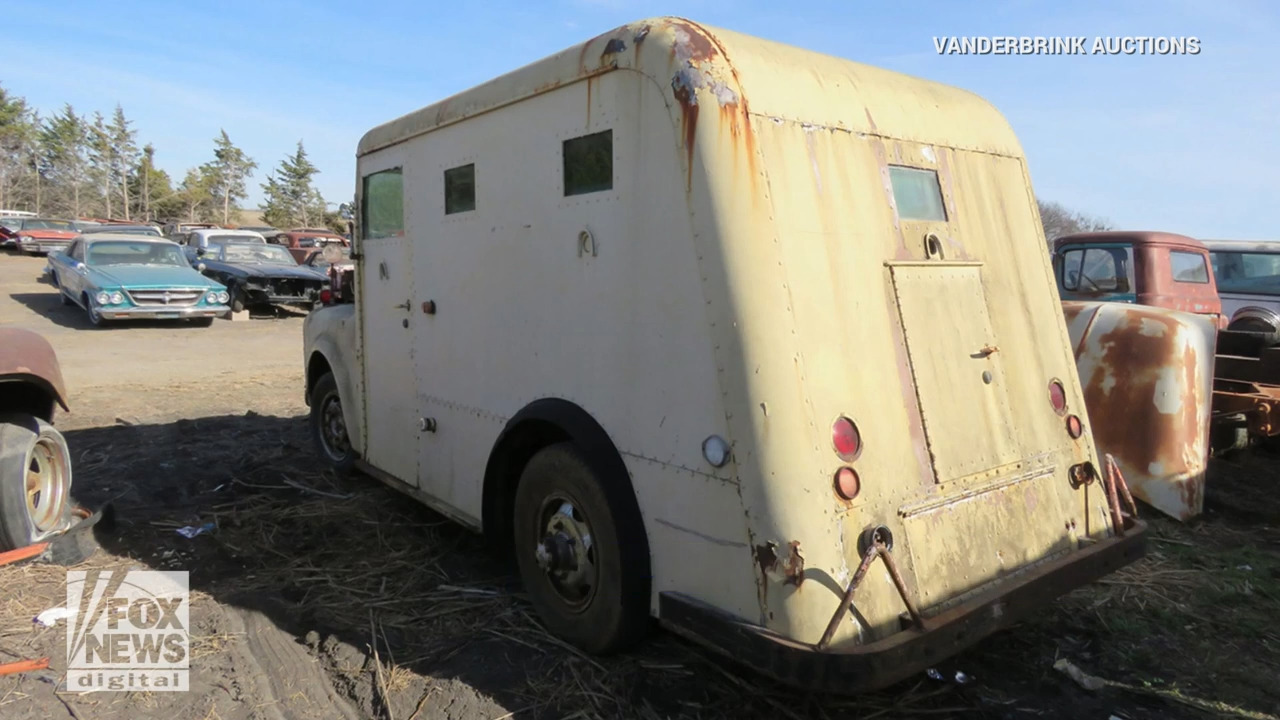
point(224, 297)
point(103, 298)
point(212, 297)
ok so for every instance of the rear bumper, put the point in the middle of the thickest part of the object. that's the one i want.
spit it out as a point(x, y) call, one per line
point(860, 668)
point(163, 313)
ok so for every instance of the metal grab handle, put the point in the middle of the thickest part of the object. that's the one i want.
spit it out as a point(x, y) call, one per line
point(404, 305)
point(878, 550)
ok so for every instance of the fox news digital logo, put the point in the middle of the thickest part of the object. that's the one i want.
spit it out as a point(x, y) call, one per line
point(129, 631)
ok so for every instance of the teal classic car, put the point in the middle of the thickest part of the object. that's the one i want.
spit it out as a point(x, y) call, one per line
point(114, 276)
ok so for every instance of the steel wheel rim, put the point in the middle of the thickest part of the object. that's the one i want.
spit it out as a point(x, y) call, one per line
point(46, 485)
point(565, 551)
point(333, 428)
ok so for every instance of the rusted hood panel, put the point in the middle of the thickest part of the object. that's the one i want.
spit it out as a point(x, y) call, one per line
point(27, 355)
point(1148, 386)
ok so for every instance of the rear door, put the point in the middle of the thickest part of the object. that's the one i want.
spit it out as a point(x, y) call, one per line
point(386, 284)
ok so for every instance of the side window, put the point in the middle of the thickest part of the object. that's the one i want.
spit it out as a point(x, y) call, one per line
point(77, 250)
point(1099, 270)
point(1071, 261)
point(917, 194)
point(588, 163)
point(382, 205)
point(460, 189)
point(1188, 267)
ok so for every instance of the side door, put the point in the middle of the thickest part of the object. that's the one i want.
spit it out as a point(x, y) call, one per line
point(387, 326)
point(72, 276)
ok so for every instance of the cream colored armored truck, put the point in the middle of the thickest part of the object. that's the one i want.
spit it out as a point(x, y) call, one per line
point(758, 342)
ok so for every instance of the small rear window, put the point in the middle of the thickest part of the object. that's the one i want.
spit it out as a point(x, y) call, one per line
point(917, 194)
point(1188, 267)
point(588, 163)
point(382, 205)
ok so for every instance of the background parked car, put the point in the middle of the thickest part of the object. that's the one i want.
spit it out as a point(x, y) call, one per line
point(258, 274)
point(145, 230)
point(35, 465)
point(44, 235)
point(302, 242)
point(199, 241)
point(130, 277)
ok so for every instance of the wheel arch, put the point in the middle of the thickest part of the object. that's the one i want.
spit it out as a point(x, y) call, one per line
point(539, 424)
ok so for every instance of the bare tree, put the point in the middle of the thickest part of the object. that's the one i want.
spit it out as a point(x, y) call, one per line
point(1059, 221)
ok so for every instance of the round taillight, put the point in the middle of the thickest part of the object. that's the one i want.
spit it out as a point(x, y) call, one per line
point(1057, 397)
point(847, 483)
point(845, 439)
point(326, 296)
point(1074, 427)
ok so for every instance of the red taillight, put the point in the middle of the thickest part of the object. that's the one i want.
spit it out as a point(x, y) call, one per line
point(847, 483)
point(1074, 427)
point(845, 439)
point(1057, 397)
point(326, 296)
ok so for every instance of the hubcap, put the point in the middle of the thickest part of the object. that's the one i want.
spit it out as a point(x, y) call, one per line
point(566, 551)
point(46, 485)
point(333, 427)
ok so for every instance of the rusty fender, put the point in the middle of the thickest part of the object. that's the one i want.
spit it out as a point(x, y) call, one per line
point(1147, 374)
point(27, 358)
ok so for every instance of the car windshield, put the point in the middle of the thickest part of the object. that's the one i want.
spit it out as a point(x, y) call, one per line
point(1256, 273)
point(318, 241)
point(318, 260)
point(259, 253)
point(123, 252)
point(48, 225)
point(150, 232)
point(224, 239)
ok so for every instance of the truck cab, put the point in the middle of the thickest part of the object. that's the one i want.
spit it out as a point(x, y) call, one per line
point(1156, 269)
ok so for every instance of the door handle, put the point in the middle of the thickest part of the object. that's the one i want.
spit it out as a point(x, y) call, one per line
point(404, 306)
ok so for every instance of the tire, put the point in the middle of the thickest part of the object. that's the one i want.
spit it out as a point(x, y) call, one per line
point(35, 481)
point(95, 319)
point(598, 599)
point(329, 426)
point(237, 299)
point(202, 322)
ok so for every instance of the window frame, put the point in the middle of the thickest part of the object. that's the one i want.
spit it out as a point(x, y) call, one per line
point(1128, 274)
point(565, 160)
point(446, 179)
point(365, 204)
point(936, 186)
point(1204, 266)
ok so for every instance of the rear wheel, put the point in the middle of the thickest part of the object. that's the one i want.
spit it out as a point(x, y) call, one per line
point(329, 425)
point(582, 569)
point(35, 481)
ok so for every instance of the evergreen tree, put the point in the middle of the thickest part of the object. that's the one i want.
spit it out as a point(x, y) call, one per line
point(151, 189)
point(126, 156)
point(290, 197)
point(17, 142)
point(101, 162)
point(227, 175)
point(197, 200)
point(64, 160)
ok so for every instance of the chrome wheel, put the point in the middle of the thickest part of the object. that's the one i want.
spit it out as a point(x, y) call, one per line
point(566, 551)
point(46, 485)
point(333, 428)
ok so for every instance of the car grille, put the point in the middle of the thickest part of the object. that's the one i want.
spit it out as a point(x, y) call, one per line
point(290, 288)
point(173, 297)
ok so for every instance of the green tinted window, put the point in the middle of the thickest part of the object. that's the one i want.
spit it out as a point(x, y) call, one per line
point(382, 205)
point(588, 163)
point(917, 194)
point(460, 189)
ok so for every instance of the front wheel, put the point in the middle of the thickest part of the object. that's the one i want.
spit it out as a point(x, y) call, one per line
point(35, 481)
point(580, 553)
point(95, 317)
point(329, 425)
point(237, 299)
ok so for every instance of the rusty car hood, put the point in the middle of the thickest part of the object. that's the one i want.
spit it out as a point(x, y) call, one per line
point(46, 234)
point(26, 355)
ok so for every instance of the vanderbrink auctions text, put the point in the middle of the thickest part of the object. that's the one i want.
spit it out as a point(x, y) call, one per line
point(1067, 45)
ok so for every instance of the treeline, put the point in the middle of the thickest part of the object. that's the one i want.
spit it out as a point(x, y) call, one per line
point(78, 166)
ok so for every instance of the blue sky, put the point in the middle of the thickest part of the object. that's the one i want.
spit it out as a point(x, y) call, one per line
point(1185, 144)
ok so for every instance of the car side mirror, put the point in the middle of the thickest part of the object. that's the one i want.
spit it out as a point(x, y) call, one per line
point(201, 252)
point(201, 267)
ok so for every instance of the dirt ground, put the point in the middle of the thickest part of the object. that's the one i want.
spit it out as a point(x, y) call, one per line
point(324, 597)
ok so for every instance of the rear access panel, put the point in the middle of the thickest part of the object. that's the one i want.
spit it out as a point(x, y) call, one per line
point(956, 366)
